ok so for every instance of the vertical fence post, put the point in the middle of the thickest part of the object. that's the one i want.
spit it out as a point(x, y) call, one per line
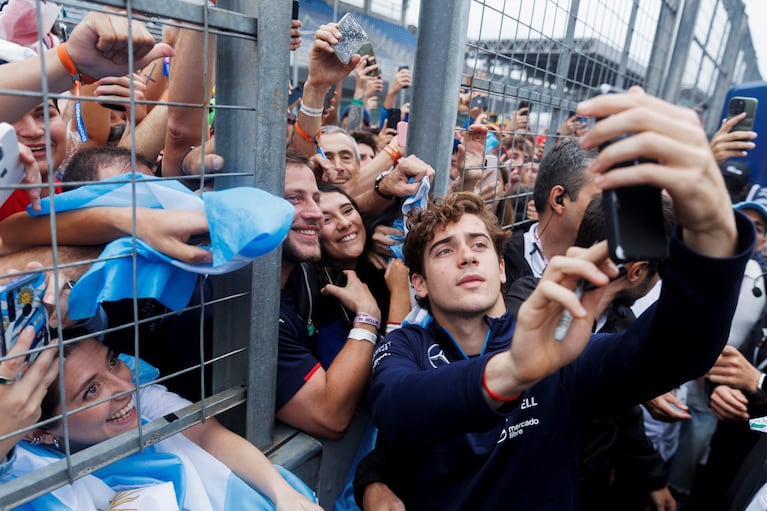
point(563, 70)
point(659, 55)
point(253, 140)
point(230, 324)
point(682, 42)
point(621, 80)
point(724, 80)
point(439, 59)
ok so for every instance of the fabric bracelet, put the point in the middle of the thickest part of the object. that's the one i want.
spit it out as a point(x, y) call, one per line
point(77, 78)
point(394, 154)
point(392, 326)
point(303, 134)
point(310, 111)
point(495, 396)
point(360, 334)
point(357, 102)
point(367, 319)
point(69, 65)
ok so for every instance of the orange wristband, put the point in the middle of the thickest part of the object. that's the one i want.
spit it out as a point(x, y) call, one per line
point(394, 154)
point(66, 61)
point(495, 396)
point(301, 133)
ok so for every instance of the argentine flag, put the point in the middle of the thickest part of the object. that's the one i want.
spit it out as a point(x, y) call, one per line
point(173, 474)
point(244, 223)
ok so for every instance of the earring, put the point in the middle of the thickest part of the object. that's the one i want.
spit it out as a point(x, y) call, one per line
point(56, 444)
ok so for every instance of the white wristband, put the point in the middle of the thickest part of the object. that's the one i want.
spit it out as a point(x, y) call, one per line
point(360, 334)
point(309, 111)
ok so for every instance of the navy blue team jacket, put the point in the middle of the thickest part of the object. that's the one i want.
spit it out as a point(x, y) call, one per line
point(453, 451)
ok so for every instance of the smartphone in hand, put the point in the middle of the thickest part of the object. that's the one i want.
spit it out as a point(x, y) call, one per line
point(737, 106)
point(21, 305)
point(353, 36)
point(393, 117)
point(366, 51)
point(633, 214)
point(336, 277)
point(295, 94)
point(400, 68)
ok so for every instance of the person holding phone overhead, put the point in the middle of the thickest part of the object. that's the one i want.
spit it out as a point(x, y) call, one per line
point(735, 136)
point(368, 82)
point(469, 406)
point(402, 79)
point(520, 117)
point(376, 189)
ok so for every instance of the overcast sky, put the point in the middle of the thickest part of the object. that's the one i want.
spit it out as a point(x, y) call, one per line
point(756, 10)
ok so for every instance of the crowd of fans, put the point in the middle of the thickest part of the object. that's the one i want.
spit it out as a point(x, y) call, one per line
point(418, 336)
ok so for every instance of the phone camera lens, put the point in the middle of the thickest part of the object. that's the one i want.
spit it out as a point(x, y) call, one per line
point(737, 106)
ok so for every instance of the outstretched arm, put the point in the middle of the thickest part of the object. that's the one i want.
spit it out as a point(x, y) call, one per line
point(688, 172)
point(164, 230)
point(326, 403)
point(98, 47)
point(188, 126)
point(324, 71)
point(249, 463)
point(536, 353)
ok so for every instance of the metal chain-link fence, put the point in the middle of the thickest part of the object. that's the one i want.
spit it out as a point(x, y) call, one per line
point(517, 67)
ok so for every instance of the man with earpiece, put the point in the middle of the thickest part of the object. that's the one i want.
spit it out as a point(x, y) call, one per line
point(739, 374)
point(563, 189)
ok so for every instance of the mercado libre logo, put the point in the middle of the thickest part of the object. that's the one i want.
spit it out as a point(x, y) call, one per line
point(513, 431)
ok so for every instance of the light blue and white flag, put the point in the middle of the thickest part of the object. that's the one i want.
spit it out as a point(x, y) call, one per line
point(152, 479)
point(419, 200)
point(124, 190)
point(244, 223)
point(174, 474)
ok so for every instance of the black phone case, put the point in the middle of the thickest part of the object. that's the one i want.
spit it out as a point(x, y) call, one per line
point(394, 116)
point(633, 214)
point(634, 218)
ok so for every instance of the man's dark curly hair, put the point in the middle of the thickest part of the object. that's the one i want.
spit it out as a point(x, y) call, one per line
point(442, 212)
